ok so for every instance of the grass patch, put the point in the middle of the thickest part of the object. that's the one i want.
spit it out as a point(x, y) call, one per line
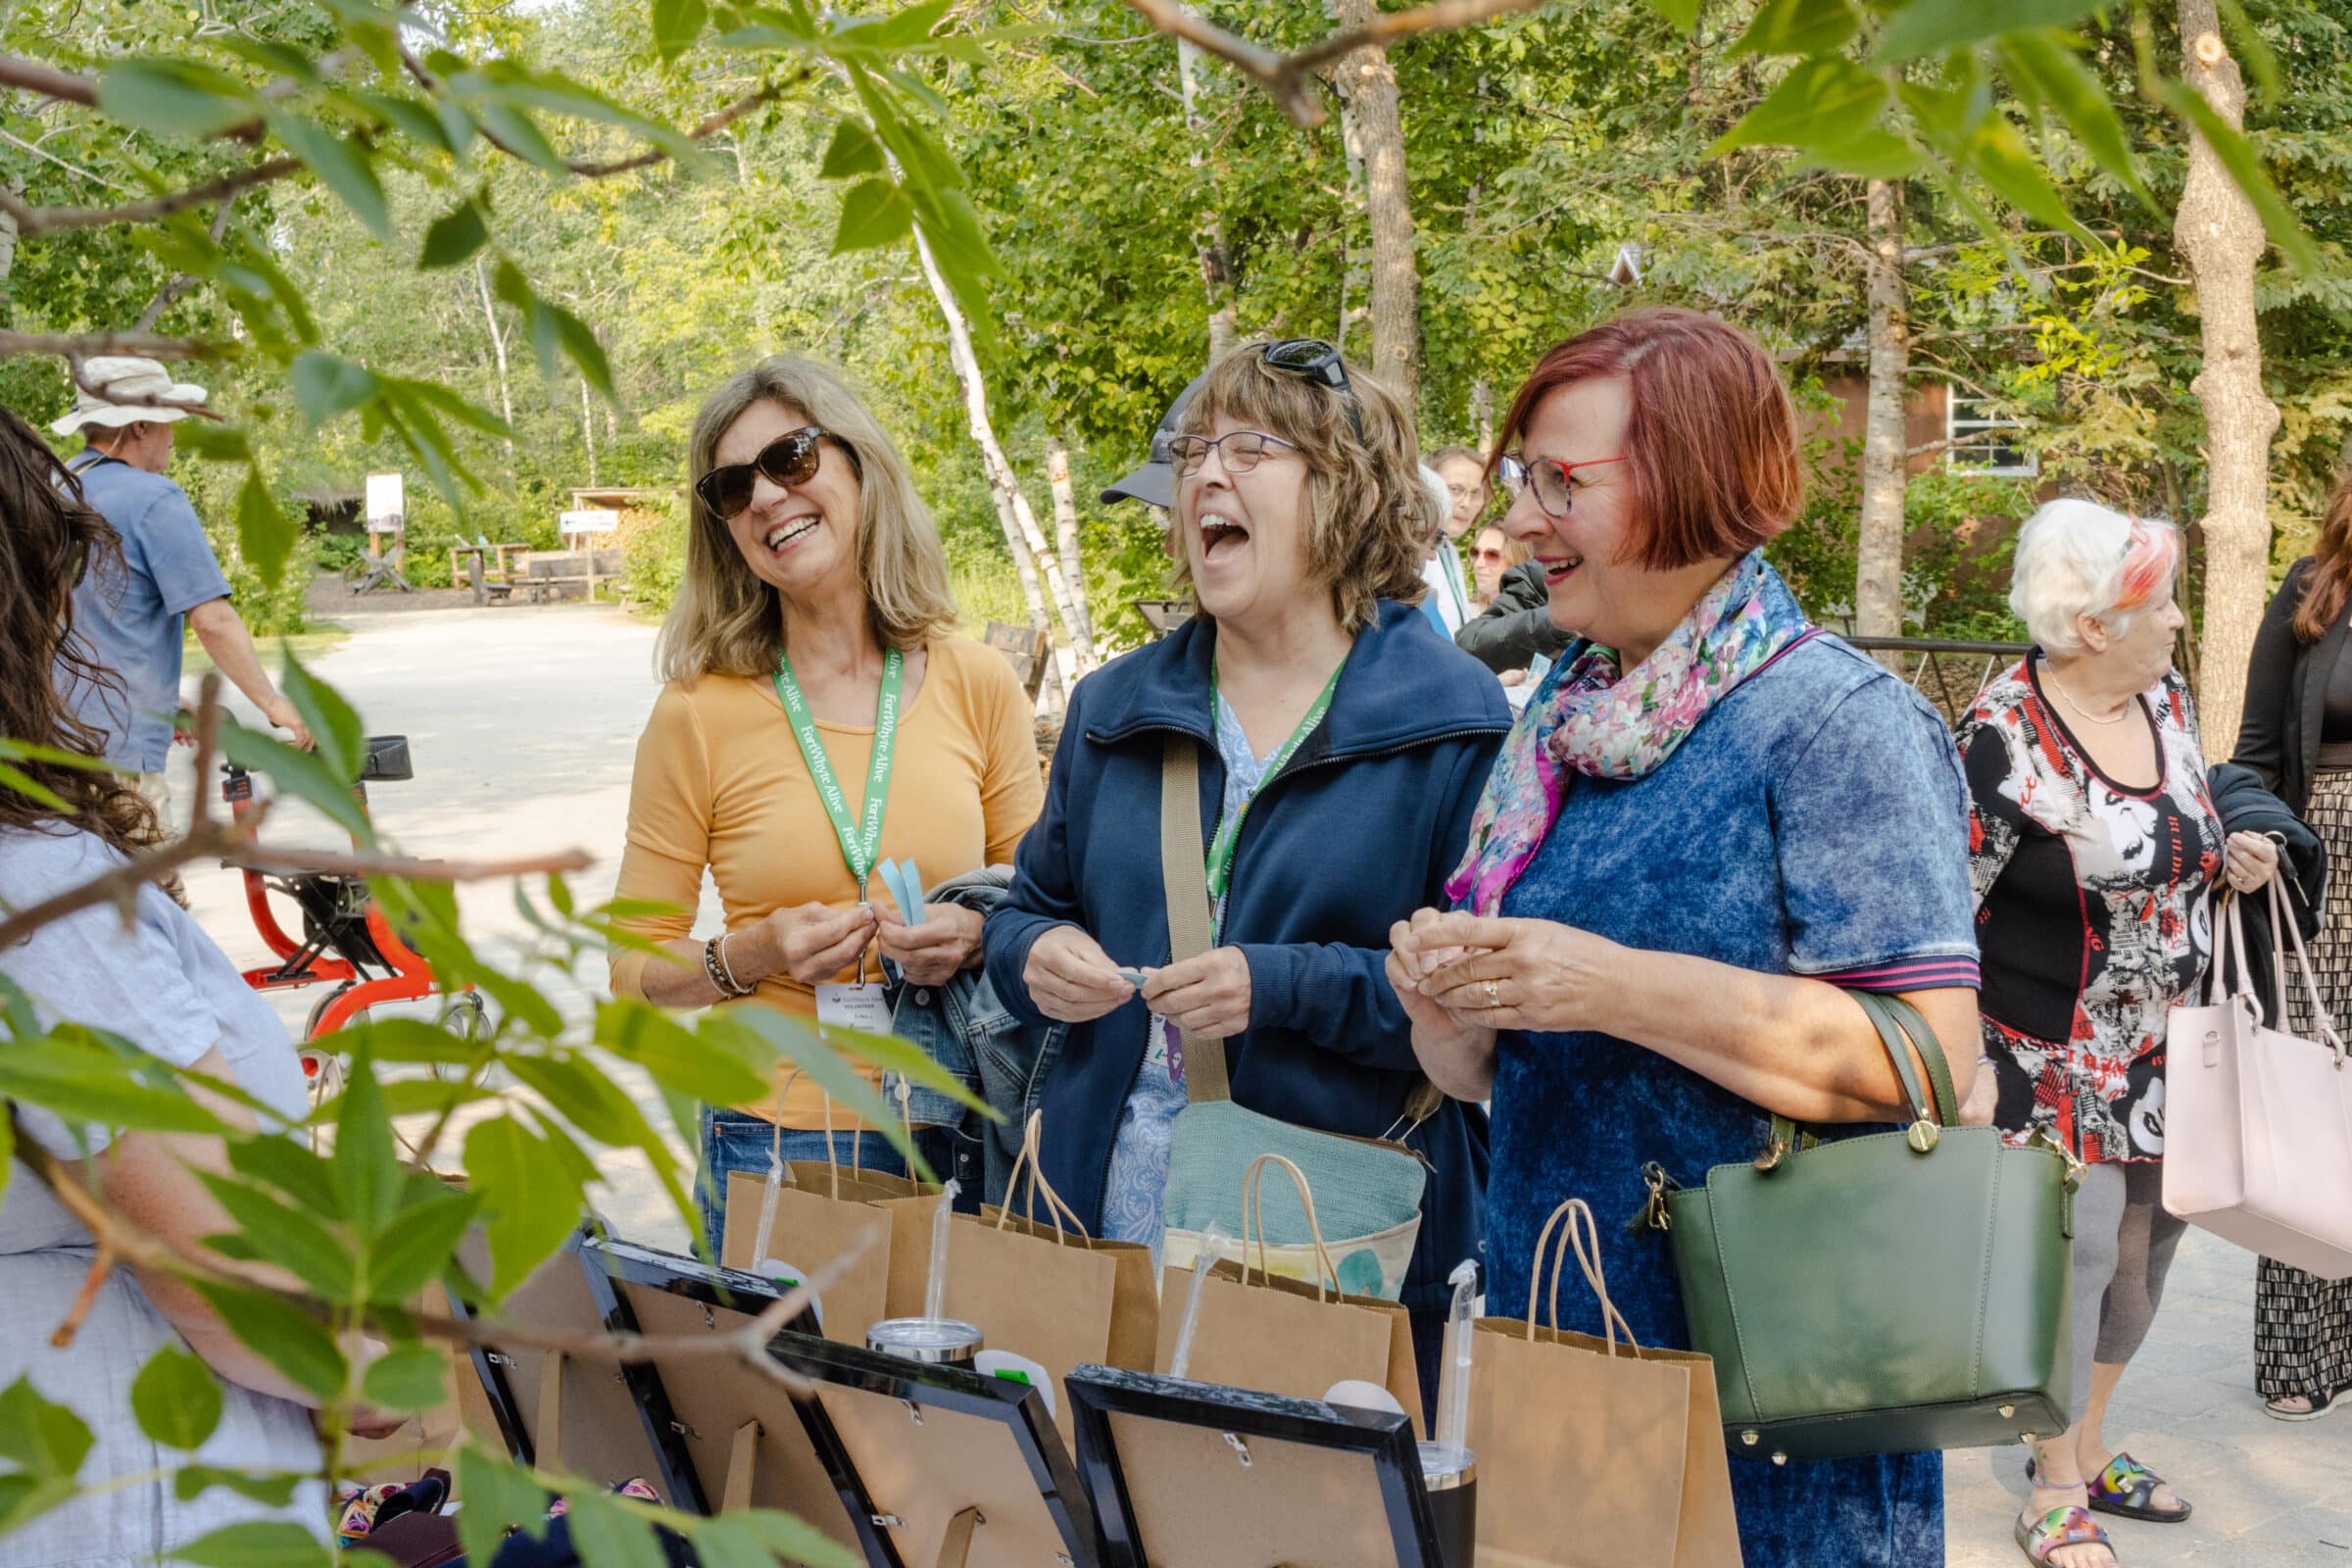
point(323, 637)
point(986, 591)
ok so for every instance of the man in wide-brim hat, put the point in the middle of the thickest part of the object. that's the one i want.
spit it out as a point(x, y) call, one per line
point(132, 617)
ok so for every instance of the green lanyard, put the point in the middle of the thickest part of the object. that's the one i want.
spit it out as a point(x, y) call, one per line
point(1221, 845)
point(857, 848)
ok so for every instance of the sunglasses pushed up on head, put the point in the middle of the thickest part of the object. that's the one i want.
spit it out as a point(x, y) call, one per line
point(1317, 361)
point(789, 459)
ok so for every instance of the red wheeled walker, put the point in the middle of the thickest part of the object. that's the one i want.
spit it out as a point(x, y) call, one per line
point(346, 942)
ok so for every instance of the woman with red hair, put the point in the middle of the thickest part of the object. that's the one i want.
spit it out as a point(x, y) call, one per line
point(1713, 821)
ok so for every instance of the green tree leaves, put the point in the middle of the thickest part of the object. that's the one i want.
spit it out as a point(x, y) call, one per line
point(173, 97)
point(1931, 26)
point(1825, 101)
point(453, 237)
point(258, 1544)
point(46, 1442)
point(875, 212)
point(676, 25)
point(530, 1196)
point(341, 166)
point(176, 1397)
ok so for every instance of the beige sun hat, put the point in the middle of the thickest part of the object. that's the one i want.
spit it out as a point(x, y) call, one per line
point(121, 389)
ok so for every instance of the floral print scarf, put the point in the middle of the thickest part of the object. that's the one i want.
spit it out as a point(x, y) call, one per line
point(1589, 718)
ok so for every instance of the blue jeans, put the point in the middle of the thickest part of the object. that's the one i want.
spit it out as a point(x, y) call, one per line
point(735, 1140)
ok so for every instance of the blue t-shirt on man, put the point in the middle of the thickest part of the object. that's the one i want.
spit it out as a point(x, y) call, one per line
point(131, 616)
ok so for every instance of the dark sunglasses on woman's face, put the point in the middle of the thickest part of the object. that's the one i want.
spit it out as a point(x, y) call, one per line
point(789, 459)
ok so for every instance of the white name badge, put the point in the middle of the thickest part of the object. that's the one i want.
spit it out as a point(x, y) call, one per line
point(852, 1007)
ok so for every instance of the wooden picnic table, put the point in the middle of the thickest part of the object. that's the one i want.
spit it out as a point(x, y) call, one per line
point(485, 554)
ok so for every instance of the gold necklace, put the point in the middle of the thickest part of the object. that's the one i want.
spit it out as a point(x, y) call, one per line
point(2068, 698)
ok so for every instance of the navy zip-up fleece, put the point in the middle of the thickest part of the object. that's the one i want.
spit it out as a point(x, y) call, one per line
point(1360, 829)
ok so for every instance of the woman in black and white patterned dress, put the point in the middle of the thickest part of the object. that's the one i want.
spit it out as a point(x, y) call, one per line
point(2297, 735)
point(2094, 844)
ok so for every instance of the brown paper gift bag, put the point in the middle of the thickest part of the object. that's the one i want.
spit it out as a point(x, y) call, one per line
point(1048, 1290)
point(1591, 1453)
point(809, 1212)
point(1283, 1336)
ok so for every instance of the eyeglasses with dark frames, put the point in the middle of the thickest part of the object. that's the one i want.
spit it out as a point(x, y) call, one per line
point(1550, 479)
point(789, 459)
point(1319, 361)
point(1239, 451)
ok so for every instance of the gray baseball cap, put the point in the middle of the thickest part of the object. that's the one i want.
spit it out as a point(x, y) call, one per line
point(1154, 483)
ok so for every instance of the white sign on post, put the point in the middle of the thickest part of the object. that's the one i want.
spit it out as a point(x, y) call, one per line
point(594, 520)
point(386, 507)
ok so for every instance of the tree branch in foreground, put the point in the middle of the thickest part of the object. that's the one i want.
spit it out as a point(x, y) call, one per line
point(119, 1241)
point(89, 345)
point(32, 221)
point(1289, 78)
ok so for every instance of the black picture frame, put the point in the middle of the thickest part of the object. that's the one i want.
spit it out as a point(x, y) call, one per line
point(1386, 1440)
point(1018, 1409)
point(590, 1261)
point(653, 1280)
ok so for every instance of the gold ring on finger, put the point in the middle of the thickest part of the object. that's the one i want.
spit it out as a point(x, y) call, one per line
point(1493, 993)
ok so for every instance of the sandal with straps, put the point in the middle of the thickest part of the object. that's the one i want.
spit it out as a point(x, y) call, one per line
point(2058, 1529)
point(2127, 1488)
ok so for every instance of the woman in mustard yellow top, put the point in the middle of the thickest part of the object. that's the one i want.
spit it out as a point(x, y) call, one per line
point(818, 718)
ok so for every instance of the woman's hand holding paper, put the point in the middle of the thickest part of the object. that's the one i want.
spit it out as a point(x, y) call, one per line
point(1206, 997)
point(931, 954)
point(1071, 979)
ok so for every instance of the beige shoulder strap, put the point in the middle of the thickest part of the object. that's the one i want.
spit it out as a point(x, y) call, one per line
point(1184, 877)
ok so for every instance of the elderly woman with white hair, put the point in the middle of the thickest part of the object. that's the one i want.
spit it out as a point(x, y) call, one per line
point(2094, 840)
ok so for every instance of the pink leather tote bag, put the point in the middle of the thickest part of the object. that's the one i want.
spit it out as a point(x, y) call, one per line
point(2258, 1123)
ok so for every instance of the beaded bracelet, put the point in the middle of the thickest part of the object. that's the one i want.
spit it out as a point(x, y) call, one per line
point(722, 975)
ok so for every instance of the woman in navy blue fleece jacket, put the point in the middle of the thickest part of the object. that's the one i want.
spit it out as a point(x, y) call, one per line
point(1347, 740)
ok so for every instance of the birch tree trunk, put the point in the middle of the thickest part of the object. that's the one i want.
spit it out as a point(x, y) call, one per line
point(498, 345)
point(1368, 85)
point(2218, 230)
point(1208, 237)
point(1879, 554)
point(1065, 528)
point(588, 428)
point(1021, 531)
point(8, 250)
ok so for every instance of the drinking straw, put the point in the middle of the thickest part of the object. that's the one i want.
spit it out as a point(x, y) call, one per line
point(1212, 1247)
point(1453, 1375)
point(935, 1290)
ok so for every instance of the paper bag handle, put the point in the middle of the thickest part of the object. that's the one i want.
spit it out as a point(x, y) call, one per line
point(1579, 1215)
point(775, 1143)
point(1031, 1161)
point(1253, 1221)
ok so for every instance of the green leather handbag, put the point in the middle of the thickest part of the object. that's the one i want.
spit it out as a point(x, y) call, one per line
point(1885, 1293)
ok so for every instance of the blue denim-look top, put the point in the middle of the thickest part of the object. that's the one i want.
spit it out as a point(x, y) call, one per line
point(130, 612)
point(1815, 822)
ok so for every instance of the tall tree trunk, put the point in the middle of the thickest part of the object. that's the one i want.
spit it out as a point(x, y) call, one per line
point(1354, 259)
point(1065, 528)
point(1208, 235)
point(1482, 414)
point(1368, 84)
point(498, 345)
point(588, 428)
point(1012, 506)
point(2218, 230)
point(1879, 554)
point(8, 253)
